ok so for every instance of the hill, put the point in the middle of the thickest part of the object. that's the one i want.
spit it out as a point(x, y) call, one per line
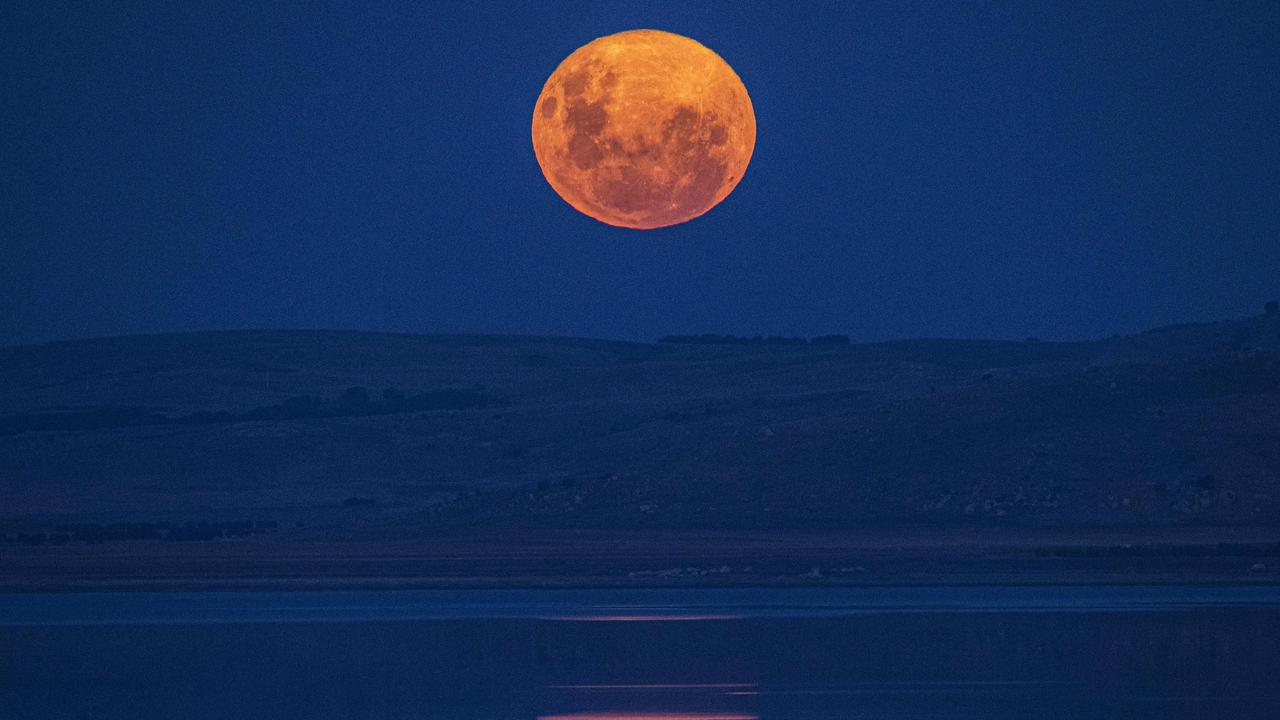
point(295, 436)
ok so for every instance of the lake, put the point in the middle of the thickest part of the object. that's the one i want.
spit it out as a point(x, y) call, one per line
point(902, 653)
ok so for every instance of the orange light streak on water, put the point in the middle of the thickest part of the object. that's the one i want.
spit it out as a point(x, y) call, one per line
point(649, 716)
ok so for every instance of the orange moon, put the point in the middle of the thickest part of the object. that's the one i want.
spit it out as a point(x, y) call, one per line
point(643, 129)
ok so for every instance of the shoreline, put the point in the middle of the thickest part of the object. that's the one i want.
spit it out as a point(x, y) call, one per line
point(580, 559)
point(611, 606)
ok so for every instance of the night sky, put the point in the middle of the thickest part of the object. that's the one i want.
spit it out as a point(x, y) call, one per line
point(1013, 169)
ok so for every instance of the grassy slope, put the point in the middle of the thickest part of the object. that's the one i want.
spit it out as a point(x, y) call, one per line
point(1177, 428)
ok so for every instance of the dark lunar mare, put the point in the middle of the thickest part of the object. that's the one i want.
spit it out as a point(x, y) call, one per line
point(688, 150)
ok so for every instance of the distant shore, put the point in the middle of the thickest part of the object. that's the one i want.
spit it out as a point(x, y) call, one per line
point(598, 559)
point(325, 460)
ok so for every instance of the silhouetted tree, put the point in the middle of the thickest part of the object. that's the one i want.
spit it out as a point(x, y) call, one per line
point(713, 339)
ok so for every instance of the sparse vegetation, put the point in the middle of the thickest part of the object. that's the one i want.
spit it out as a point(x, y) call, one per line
point(95, 533)
point(712, 339)
point(354, 401)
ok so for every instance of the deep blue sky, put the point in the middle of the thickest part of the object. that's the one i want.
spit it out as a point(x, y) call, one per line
point(1003, 169)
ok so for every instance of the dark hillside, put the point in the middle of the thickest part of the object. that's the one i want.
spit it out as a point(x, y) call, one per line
point(373, 433)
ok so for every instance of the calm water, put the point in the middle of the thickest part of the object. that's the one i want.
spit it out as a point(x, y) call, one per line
point(643, 655)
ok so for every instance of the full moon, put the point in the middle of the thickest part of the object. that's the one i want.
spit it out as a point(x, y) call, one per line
point(643, 129)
